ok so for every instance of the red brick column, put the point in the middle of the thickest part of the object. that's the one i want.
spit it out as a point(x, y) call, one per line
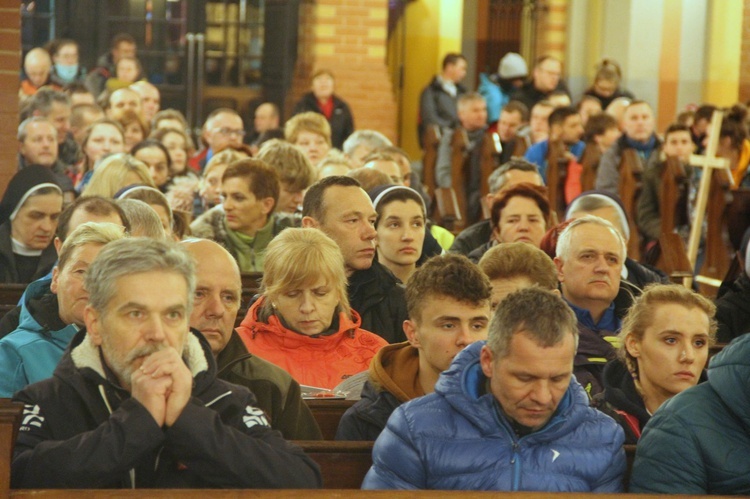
point(745, 55)
point(10, 62)
point(349, 37)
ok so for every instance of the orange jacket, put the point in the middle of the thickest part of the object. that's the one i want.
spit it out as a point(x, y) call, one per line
point(324, 361)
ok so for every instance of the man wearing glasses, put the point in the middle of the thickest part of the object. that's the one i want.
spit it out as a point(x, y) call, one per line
point(223, 128)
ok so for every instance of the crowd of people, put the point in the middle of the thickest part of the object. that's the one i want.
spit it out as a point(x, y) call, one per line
point(519, 353)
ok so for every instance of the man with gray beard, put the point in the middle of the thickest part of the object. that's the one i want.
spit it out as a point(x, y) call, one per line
point(135, 401)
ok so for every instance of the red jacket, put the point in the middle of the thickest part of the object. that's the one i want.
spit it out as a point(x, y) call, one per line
point(324, 361)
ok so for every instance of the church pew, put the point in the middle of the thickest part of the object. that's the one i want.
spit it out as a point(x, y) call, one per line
point(328, 414)
point(10, 294)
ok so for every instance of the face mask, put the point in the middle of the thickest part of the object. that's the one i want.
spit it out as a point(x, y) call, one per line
point(66, 72)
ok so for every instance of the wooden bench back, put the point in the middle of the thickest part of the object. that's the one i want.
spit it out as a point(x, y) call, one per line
point(328, 413)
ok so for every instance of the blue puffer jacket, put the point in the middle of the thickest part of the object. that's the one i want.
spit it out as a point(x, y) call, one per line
point(456, 439)
point(698, 442)
point(31, 352)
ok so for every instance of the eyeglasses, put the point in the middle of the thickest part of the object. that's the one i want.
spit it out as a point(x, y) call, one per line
point(230, 131)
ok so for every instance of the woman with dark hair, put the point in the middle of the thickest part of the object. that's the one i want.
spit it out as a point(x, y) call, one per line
point(518, 214)
point(303, 322)
point(156, 157)
point(665, 338)
point(401, 228)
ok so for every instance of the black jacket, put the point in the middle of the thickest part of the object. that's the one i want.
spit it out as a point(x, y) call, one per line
point(733, 310)
point(472, 237)
point(80, 430)
point(642, 275)
point(438, 107)
point(366, 419)
point(278, 394)
point(380, 299)
point(620, 399)
point(342, 121)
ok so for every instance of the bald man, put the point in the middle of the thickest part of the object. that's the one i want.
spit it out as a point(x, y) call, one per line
point(218, 293)
point(150, 99)
point(37, 66)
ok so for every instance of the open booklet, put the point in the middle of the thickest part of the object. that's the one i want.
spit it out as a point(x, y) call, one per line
point(349, 389)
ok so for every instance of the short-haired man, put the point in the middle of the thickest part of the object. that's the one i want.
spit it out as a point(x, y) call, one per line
point(638, 135)
point(517, 265)
point(37, 145)
point(150, 99)
point(52, 311)
point(448, 303)
point(343, 211)
point(564, 126)
point(81, 116)
point(437, 103)
point(121, 100)
point(512, 173)
point(218, 293)
point(223, 128)
point(136, 400)
point(362, 143)
point(296, 173)
point(590, 255)
point(601, 131)
point(245, 222)
point(266, 124)
point(508, 415)
point(385, 163)
point(546, 78)
point(635, 275)
point(512, 117)
point(56, 107)
point(123, 45)
point(678, 145)
point(472, 117)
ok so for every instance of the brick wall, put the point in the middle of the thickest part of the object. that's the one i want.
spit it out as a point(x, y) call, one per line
point(349, 37)
point(745, 55)
point(10, 56)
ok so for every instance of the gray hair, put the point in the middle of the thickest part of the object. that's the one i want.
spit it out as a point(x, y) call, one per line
point(497, 178)
point(144, 221)
point(587, 203)
point(89, 233)
point(134, 255)
point(538, 313)
point(562, 250)
point(371, 138)
point(22, 128)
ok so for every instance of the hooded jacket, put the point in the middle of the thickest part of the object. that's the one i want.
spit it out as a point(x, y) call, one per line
point(31, 352)
point(621, 401)
point(278, 394)
point(470, 445)
point(323, 360)
point(394, 379)
point(698, 442)
point(81, 430)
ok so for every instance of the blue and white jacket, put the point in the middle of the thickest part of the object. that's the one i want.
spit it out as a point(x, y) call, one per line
point(458, 439)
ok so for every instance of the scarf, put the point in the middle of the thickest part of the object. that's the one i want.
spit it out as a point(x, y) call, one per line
point(644, 149)
point(250, 250)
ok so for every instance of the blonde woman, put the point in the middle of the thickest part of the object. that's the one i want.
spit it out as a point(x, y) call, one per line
point(116, 172)
point(665, 339)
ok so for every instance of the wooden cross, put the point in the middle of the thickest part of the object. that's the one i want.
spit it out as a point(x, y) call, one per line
point(709, 162)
